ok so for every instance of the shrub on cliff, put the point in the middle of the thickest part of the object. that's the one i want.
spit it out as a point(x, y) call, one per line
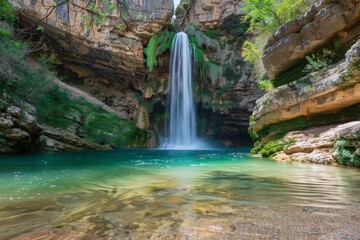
point(265, 17)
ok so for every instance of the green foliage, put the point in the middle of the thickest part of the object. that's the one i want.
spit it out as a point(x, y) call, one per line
point(6, 13)
point(234, 27)
point(213, 33)
point(266, 85)
point(267, 16)
point(251, 53)
point(5, 33)
point(291, 74)
point(346, 151)
point(157, 45)
point(104, 128)
point(151, 52)
point(214, 72)
point(317, 62)
point(272, 147)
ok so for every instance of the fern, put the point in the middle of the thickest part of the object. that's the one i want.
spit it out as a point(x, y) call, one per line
point(151, 52)
point(157, 45)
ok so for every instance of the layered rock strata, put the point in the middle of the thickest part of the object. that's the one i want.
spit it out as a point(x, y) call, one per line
point(321, 145)
point(324, 21)
point(208, 13)
point(330, 90)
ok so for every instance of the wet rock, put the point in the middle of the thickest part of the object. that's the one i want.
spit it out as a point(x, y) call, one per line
point(5, 123)
point(59, 140)
point(18, 134)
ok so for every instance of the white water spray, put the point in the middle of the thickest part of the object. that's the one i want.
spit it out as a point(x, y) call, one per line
point(181, 128)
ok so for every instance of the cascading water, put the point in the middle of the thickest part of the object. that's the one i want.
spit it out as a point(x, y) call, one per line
point(181, 128)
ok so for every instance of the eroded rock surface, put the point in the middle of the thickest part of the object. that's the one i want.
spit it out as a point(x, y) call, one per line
point(316, 145)
point(302, 36)
point(52, 139)
point(18, 129)
point(208, 13)
point(330, 90)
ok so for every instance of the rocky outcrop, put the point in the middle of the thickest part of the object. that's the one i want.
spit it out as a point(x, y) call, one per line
point(18, 129)
point(52, 139)
point(300, 37)
point(20, 132)
point(322, 145)
point(102, 46)
point(207, 13)
point(333, 89)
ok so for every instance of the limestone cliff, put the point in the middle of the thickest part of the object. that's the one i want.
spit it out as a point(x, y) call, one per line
point(208, 14)
point(101, 42)
point(324, 21)
point(309, 95)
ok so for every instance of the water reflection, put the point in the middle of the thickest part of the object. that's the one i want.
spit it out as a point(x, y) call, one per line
point(175, 195)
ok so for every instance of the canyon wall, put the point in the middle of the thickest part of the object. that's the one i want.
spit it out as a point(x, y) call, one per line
point(314, 62)
point(100, 44)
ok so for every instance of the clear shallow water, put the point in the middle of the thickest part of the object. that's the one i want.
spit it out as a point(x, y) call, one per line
point(161, 194)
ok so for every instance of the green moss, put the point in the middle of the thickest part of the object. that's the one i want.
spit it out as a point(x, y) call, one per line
point(104, 128)
point(6, 13)
point(271, 147)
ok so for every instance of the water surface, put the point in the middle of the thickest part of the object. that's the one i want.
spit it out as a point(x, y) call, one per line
point(161, 194)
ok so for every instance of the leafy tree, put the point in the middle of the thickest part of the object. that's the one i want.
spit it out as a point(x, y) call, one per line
point(265, 17)
point(268, 15)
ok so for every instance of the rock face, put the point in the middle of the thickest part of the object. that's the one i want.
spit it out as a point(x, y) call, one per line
point(320, 145)
point(106, 53)
point(323, 22)
point(18, 129)
point(52, 139)
point(329, 90)
point(20, 132)
point(208, 13)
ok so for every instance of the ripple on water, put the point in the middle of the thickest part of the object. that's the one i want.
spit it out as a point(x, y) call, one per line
point(175, 195)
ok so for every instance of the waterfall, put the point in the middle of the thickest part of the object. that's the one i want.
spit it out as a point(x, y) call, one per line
point(181, 129)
